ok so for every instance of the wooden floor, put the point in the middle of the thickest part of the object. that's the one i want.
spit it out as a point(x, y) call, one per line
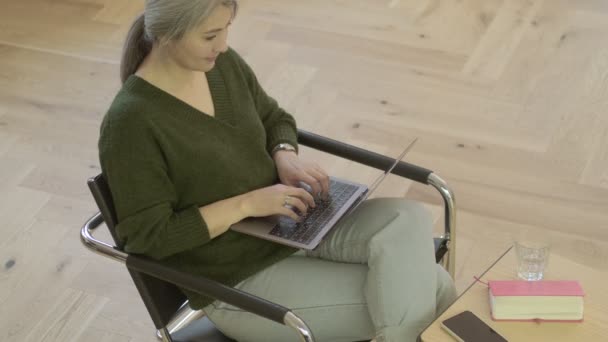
point(509, 99)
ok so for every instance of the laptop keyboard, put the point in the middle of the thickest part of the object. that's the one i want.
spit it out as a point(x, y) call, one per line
point(304, 232)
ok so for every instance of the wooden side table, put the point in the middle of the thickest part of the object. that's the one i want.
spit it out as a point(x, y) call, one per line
point(475, 298)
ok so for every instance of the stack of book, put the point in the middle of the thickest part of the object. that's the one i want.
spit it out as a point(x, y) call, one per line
point(536, 300)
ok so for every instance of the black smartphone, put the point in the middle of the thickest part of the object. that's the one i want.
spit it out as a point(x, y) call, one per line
point(466, 327)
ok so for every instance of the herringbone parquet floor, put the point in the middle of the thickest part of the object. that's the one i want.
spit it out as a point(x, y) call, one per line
point(508, 97)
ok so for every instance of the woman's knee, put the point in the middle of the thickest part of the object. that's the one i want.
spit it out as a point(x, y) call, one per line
point(380, 219)
point(399, 204)
point(410, 225)
point(414, 214)
point(416, 210)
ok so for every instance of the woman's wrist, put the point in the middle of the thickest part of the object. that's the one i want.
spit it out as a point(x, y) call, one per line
point(283, 153)
point(220, 215)
point(242, 206)
point(283, 147)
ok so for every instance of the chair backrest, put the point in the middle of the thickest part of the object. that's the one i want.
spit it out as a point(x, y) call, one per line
point(162, 299)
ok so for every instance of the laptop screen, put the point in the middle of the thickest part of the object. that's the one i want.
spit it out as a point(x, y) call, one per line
point(380, 178)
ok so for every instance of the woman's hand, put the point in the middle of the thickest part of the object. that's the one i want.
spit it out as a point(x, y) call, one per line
point(278, 199)
point(292, 171)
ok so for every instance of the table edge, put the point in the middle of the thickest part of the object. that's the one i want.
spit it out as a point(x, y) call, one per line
point(419, 339)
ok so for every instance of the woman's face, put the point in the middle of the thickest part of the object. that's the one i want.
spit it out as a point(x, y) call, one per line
point(198, 48)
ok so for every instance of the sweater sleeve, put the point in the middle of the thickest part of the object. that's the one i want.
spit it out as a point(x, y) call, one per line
point(280, 126)
point(144, 196)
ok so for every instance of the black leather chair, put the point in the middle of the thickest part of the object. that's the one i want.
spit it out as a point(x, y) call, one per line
point(157, 284)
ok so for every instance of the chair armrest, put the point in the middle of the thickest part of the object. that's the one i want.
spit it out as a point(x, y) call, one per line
point(208, 287)
point(403, 169)
point(213, 289)
point(362, 156)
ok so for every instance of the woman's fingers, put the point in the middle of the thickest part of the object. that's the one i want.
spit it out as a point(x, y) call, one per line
point(296, 203)
point(318, 181)
point(323, 179)
point(289, 213)
point(305, 197)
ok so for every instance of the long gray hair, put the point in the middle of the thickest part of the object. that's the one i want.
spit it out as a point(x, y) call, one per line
point(163, 21)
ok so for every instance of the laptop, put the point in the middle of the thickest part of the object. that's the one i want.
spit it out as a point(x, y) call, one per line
point(344, 197)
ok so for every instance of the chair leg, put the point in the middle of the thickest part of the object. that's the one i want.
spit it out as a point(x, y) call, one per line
point(164, 335)
point(182, 318)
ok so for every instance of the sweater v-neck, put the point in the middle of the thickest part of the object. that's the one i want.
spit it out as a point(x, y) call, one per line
point(217, 89)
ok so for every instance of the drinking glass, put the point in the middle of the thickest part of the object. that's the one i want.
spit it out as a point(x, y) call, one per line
point(532, 258)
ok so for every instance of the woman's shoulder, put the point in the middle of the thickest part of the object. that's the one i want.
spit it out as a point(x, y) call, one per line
point(128, 106)
point(235, 68)
point(231, 55)
point(128, 112)
point(231, 59)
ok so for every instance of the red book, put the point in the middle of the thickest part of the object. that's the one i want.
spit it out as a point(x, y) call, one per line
point(546, 300)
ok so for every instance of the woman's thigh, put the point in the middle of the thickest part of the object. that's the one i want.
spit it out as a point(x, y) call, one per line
point(350, 240)
point(327, 295)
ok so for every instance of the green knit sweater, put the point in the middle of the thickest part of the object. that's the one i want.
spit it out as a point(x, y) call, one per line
point(163, 159)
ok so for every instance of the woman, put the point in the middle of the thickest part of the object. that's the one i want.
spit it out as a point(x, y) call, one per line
point(192, 144)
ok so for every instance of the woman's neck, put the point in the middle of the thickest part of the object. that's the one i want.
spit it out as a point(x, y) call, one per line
point(160, 69)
